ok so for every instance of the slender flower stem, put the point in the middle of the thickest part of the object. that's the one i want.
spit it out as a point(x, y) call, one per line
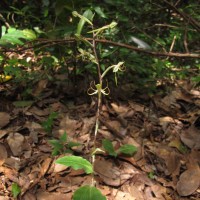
point(99, 98)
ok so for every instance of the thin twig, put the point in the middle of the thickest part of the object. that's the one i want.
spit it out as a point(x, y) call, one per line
point(47, 43)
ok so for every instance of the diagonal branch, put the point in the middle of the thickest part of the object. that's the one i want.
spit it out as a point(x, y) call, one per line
point(195, 24)
point(46, 43)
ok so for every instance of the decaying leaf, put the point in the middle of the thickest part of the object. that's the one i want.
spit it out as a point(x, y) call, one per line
point(189, 181)
point(15, 142)
point(3, 154)
point(69, 126)
point(4, 119)
point(191, 137)
point(111, 174)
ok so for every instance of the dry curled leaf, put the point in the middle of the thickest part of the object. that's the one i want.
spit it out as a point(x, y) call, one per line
point(191, 137)
point(15, 142)
point(189, 181)
point(3, 154)
point(4, 119)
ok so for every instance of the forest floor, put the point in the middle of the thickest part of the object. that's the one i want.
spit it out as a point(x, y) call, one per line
point(165, 128)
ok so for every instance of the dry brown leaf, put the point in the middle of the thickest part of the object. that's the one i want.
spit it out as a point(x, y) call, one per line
point(191, 137)
point(3, 133)
point(136, 107)
point(4, 119)
point(165, 122)
point(15, 142)
point(120, 108)
point(29, 196)
point(159, 191)
point(4, 198)
point(76, 172)
point(169, 102)
point(3, 154)
point(41, 85)
point(117, 126)
point(170, 158)
point(136, 192)
point(13, 163)
point(111, 174)
point(69, 126)
point(59, 168)
point(39, 112)
point(88, 124)
point(124, 196)
point(137, 186)
point(195, 156)
point(108, 172)
point(41, 195)
point(189, 181)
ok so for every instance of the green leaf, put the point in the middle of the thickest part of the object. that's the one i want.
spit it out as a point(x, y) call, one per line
point(76, 162)
point(15, 36)
point(16, 190)
point(151, 175)
point(86, 17)
point(108, 146)
point(127, 149)
point(57, 147)
point(63, 138)
point(29, 34)
point(99, 11)
point(53, 115)
point(88, 193)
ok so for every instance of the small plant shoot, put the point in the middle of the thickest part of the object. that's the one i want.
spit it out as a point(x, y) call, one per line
point(126, 149)
point(48, 124)
point(62, 145)
point(16, 190)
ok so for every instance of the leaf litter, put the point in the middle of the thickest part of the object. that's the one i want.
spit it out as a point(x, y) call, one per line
point(166, 132)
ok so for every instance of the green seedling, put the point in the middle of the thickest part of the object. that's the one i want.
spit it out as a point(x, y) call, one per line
point(151, 175)
point(62, 145)
point(48, 124)
point(127, 149)
point(16, 190)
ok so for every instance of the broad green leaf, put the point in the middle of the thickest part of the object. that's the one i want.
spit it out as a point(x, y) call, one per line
point(16, 190)
point(29, 34)
point(108, 146)
point(88, 193)
point(99, 11)
point(76, 162)
point(127, 149)
point(14, 36)
point(86, 17)
point(20, 104)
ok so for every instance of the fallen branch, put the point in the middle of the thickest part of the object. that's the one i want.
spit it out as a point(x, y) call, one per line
point(46, 43)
